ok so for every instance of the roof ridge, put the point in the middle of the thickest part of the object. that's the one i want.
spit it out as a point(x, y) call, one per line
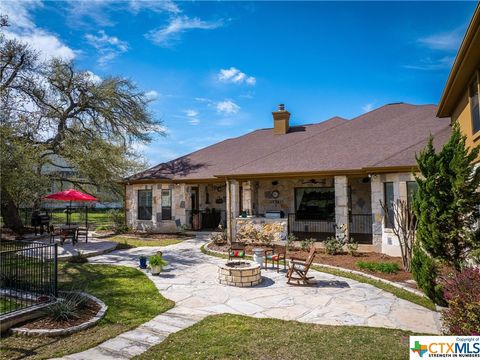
point(293, 144)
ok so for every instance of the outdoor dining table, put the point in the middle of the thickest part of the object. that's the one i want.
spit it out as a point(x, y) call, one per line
point(69, 230)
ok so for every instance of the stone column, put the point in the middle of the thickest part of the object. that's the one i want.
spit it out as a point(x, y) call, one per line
point(341, 203)
point(233, 206)
point(377, 211)
point(179, 203)
point(247, 197)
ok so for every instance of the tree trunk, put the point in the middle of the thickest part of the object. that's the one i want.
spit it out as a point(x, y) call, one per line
point(10, 214)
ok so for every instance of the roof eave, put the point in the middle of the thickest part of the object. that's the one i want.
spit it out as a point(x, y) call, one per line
point(456, 79)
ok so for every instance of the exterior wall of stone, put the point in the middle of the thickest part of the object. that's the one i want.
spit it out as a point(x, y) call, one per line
point(383, 238)
point(341, 203)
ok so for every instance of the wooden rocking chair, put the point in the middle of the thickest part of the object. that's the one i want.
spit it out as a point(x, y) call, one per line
point(298, 269)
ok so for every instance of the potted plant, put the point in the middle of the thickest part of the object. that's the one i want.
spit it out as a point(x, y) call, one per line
point(143, 262)
point(156, 264)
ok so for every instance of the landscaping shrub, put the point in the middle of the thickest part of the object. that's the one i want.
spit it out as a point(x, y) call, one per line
point(290, 240)
point(333, 245)
point(220, 238)
point(352, 247)
point(475, 256)
point(67, 307)
point(305, 244)
point(117, 217)
point(424, 271)
point(462, 293)
point(384, 267)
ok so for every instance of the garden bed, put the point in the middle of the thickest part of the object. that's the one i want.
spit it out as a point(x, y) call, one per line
point(342, 260)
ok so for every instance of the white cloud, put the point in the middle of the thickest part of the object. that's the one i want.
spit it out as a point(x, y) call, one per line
point(155, 6)
point(227, 107)
point(109, 47)
point(191, 113)
point(46, 44)
point(152, 95)
point(93, 77)
point(235, 76)
point(23, 28)
point(367, 107)
point(430, 64)
point(165, 35)
point(443, 41)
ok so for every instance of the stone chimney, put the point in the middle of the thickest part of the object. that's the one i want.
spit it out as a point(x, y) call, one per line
point(281, 119)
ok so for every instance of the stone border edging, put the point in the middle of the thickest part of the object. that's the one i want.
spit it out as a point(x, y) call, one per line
point(69, 330)
point(66, 258)
point(372, 277)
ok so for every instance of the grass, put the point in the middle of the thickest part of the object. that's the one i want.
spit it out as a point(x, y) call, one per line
point(129, 242)
point(384, 267)
point(116, 286)
point(8, 304)
point(94, 218)
point(398, 292)
point(240, 337)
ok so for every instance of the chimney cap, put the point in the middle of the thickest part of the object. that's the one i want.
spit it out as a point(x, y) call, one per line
point(281, 107)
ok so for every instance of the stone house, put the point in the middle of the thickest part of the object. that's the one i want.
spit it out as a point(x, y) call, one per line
point(305, 179)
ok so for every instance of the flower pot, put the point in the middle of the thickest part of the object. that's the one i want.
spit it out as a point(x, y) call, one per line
point(155, 269)
point(143, 262)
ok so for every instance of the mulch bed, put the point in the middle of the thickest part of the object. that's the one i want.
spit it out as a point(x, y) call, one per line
point(86, 313)
point(342, 260)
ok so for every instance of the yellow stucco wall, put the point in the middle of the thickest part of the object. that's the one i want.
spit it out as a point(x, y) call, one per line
point(463, 116)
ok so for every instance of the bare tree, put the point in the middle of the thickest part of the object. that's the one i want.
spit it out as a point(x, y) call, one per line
point(403, 222)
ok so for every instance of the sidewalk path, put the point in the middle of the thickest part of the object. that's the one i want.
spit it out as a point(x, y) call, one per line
point(190, 280)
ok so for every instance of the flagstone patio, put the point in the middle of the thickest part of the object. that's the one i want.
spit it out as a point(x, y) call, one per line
point(191, 281)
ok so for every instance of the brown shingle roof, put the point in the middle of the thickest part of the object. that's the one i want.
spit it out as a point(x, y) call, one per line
point(386, 137)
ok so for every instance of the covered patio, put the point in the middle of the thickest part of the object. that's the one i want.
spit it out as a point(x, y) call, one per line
point(305, 207)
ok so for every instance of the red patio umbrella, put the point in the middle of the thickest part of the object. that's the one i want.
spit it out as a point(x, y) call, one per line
point(72, 195)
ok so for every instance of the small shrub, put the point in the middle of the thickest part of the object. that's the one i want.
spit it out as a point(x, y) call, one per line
point(333, 245)
point(220, 238)
point(305, 244)
point(290, 240)
point(462, 293)
point(67, 307)
point(352, 247)
point(384, 267)
point(117, 217)
point(425, 272)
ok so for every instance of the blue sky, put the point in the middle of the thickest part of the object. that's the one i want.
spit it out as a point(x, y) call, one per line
point(216, 70)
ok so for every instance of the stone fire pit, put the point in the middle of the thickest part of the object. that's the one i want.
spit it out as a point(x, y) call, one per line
point(239, 273)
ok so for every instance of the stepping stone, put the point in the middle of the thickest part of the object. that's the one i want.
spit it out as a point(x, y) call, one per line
point(143, 336)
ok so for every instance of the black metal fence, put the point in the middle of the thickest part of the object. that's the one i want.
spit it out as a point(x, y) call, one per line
point(360, 227)
point(28, 274)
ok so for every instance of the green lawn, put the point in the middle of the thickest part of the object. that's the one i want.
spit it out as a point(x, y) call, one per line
point(8, 304)
point(131, 297)
point(241, 337)
point(94, 218)
point(127, 241)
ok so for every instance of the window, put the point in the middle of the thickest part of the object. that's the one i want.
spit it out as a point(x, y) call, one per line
point(166, 204)
point(474, 107)
point(388, 200)
point(412, 188)
point(315, 203)
point(144, 204)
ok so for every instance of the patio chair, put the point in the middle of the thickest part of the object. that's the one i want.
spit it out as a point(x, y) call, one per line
point(82, 232)
point(276, 254)
point(298, 269)
point(53, 231)
point(236, 250)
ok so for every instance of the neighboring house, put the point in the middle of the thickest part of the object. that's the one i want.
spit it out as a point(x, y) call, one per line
point(460, 98)
point(62, 170)
point(311, 176)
